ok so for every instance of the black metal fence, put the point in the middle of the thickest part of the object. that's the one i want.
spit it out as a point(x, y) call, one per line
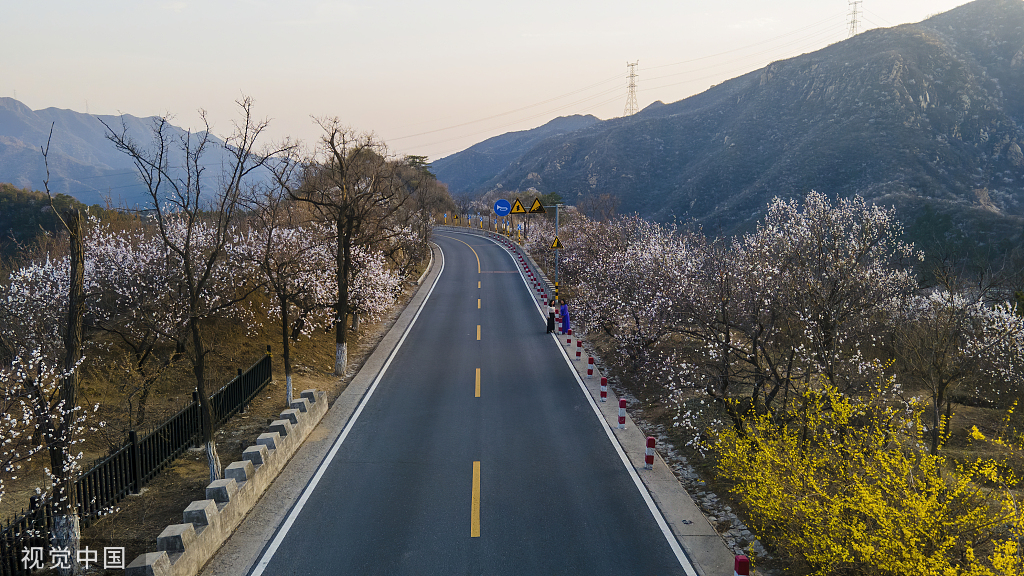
point(126, 470)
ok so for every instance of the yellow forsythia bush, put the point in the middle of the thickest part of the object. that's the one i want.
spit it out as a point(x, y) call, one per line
point(847, 485)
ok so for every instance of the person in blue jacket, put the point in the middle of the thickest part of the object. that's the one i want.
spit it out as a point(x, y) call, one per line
point(565, 316)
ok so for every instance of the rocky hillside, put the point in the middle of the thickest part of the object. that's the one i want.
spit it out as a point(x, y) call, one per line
point(475, 168)
point(927, 116)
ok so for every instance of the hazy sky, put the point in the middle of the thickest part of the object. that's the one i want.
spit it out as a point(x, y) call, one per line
point(429, 78)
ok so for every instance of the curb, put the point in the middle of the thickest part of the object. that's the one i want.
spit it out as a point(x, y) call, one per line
point(207, 524)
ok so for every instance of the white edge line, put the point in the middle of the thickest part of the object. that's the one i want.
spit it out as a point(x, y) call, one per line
point(673, 543)
point(283, 530)
point(684, 561)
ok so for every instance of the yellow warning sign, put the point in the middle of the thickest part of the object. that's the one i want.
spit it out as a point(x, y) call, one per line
point(537, 207)
point(517, 208)
point(557, 244)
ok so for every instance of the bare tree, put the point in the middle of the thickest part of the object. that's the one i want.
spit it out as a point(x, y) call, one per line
point(59, 433)
point(353, 184)
point(196, 225)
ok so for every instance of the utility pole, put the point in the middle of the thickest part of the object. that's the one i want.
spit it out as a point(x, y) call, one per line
point(556, 246)
point(631, 105)
point(854, 15)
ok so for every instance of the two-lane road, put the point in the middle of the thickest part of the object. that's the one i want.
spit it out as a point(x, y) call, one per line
point(476, 453)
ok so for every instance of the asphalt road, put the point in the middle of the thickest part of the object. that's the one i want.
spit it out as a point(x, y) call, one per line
point(476, 453)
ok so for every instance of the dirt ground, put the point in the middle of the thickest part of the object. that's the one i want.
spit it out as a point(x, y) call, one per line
point(137, 520)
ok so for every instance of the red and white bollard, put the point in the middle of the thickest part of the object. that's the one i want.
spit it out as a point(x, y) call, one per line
point(741, 567)
point(649, 454)
point(568, 337)
point(622, 413)
point(590, 367)
point(579, 349)
point(604, 389)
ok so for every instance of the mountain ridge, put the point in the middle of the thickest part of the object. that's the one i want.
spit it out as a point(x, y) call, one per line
point(471, 169)
point(82, 162)
point(926, 114)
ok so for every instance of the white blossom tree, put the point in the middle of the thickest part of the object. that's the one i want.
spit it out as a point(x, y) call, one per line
point(130, 269)
point(373, 287)
point(947, 341)
point(808, 293)
point(296, 260)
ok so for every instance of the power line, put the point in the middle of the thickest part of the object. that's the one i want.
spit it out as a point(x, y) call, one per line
point(797, 40)
point(527, 107)
point(754, 45)
point(631, 106)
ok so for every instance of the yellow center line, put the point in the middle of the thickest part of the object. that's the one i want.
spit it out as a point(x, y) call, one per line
point(474, 254)
point(477, 331)
point(477, 382)
point(477, 283)
point(477, 303)
point(474, 521)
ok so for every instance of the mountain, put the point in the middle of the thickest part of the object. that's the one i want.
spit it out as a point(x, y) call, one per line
point(475, 168)
point(928, 117)
point(83, 163)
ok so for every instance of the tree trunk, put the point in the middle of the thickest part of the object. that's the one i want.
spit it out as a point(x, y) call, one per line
point(66, 529)
point(205, 408)
point(140, 414)
point(340, 356)
point(67, 534)
point(216, 472)
point(286, 354)
point(346, 229)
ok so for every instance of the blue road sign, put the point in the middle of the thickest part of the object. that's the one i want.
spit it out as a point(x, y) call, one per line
point(502, 207)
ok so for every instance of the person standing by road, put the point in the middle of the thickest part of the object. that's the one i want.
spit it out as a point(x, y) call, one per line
point(551, 317)
point(565, 316)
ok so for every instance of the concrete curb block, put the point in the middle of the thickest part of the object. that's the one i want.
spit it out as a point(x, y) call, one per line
point(184, 548)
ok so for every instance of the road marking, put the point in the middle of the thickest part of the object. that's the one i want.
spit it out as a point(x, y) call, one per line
point(477, 331)
point(474, 254)
point(477, 283)
point(275, 544)
point(477, 382)
point(477, 303)
point(474, 521)
point(673, 543)
point(659, 518)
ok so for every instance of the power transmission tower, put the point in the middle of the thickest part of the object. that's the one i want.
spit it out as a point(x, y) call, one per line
point(631, 105)
point(854, 15)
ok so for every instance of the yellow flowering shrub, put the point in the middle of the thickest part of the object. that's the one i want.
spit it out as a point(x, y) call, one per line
point(848, 485)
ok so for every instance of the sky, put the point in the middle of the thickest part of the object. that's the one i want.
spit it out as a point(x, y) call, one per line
point(427, 78)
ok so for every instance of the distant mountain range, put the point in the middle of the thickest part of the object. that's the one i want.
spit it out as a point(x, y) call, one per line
point(928, 117)
point(83, 163)
point(477, 167)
